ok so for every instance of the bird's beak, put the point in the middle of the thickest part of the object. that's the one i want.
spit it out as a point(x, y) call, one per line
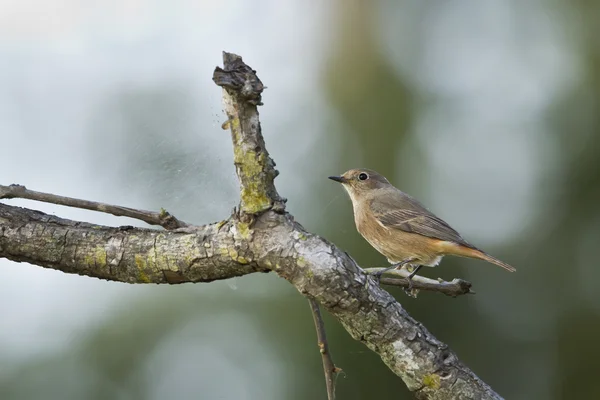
point(339, 179)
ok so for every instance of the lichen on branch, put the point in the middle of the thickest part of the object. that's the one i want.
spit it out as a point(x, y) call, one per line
point(242, 94)
point(258, 237)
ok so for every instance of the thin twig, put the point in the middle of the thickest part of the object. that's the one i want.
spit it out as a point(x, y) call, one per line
point(162, 218)
point(328, 366)
point(454, 288)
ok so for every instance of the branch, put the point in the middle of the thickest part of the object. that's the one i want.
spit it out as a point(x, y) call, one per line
point(231, 248)
point(322, 272)
point(454, 288)
point(255, 169)
point(126, 254)
point(163, 218)
point(329, 367)
point(258, 238)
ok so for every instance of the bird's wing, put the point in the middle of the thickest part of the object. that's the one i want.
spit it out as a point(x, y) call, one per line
point(413, 218)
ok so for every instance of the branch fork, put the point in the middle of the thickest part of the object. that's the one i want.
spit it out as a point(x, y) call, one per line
point(259, 237)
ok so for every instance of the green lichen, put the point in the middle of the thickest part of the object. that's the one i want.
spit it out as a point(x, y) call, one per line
point(224, 251)
point(252, 165)
point(301, 261)
point(432, 381)
point(242, 260)
point(309, 274)
point(244, 230)
point(100, 256)
point(234, 124)
point(254, 196)
point(302, 236)
point(253, 204)
point(88, 260)
point(141, 264)
point(96, 258)
point(235, 256)
point(220, 225)
point(143, 277)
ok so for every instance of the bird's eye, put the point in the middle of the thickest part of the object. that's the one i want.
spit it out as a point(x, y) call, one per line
point(362, 176)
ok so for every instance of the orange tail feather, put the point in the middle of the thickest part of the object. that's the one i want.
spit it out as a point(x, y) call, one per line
point(486, 257)
point(464, 251)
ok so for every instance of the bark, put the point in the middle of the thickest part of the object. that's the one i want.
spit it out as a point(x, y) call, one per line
point(125, 254)
point(261, 236)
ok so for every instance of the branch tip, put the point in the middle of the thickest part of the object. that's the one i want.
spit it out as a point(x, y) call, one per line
point(255, 168)
point(162, 218)
point(454, 288)
point(239, 78)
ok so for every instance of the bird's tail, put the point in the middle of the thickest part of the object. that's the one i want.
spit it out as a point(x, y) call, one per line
point(486, 257)
point(473, 252)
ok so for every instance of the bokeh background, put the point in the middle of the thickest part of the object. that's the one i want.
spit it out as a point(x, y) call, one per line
point(488, 111)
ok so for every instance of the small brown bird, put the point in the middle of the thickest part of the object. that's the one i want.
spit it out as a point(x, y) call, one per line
point(400, 228)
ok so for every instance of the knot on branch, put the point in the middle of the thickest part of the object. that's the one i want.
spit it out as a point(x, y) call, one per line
point(239, 79)
point(12, 191)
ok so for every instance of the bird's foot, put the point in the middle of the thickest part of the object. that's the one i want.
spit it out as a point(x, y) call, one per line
point(377, 275)
point(411, 292)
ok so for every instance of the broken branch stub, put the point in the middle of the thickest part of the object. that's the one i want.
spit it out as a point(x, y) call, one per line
point(254, 167)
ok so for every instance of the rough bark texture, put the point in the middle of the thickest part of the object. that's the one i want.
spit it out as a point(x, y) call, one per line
point(125, 254)
point(260, 237)
point(255, 169)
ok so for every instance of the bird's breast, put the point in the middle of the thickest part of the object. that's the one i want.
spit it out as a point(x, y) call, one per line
point(377, 235)
point(395, 244)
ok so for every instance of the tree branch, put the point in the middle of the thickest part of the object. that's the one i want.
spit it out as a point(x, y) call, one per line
point(454, 288)
point(329, 367)
point(126, 254)
point(370, 314)
point(163, 218)
point(255, 169)
point(230, 248)
point(322, 272)
point(259, 237)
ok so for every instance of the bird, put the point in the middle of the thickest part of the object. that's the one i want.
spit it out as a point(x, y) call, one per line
point(401, 228)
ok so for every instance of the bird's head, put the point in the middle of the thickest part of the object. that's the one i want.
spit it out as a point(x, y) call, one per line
point(360, 182)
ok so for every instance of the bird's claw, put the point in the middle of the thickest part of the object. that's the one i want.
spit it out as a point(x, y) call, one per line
point(410, 290)
point(377, 276)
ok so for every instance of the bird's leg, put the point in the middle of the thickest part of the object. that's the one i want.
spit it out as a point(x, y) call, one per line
point(410, 276)
point(399, 265)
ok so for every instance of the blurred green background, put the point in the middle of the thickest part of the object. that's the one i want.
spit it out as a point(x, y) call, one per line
point(487, 111)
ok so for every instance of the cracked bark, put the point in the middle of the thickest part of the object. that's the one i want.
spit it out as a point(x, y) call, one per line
point(259, 237)
point(125, 254)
